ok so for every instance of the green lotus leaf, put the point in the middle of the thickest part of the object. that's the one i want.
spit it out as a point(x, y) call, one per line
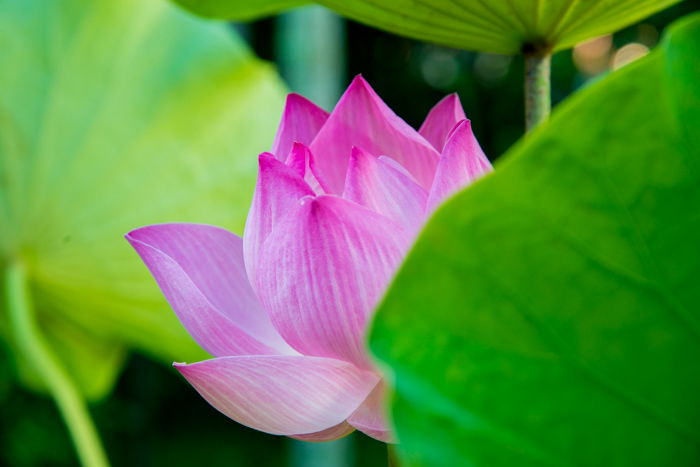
point(548, 314)
point(113, 115)
point(239, 10)
point(498, 26)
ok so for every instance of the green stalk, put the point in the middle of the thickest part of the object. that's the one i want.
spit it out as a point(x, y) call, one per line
point(313, 68)
point(538, 102)
point(39, 354)
point(392, 457)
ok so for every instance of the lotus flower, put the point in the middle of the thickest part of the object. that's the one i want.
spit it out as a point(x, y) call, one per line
point(284, 310)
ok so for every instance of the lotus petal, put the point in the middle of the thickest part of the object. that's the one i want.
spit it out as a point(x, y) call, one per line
point(282, 395)
point(332, 433)
point(278, 190)
point(441, 119)
point(301, 160)
point(329, 261)
point(362, 119)
point(462, 161)
point(200, 270)
point(380, 185)
point(300, 122)
point(370, 418)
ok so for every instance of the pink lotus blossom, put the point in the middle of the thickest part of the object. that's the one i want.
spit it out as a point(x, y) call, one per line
point(284, 310)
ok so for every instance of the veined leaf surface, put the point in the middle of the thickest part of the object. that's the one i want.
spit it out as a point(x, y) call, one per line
point(548, 314)
point(113, 115)
point(499, 26)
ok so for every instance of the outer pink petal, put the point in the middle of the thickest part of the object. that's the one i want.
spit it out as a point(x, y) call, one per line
point(362, 119)
point(278, 190)
point(441, 119)
point(332, 433)
point(322, 271)
point(371, 417)
point(302, 161)
point(386, 189)
point(462, 161)
point(300, 122)
point(283, 395)
point(200, 270)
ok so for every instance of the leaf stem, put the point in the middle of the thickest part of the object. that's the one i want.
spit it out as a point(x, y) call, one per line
point(538, 102)
point(39, 354)
point(392, 457)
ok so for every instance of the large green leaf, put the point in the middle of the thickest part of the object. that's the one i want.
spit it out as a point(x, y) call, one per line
point(500, 26)
point(239, 10)
point(115, 114)
point(549, 314)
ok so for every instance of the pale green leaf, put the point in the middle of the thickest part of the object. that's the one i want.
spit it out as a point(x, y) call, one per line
point(499, 26)
point(113, 115)
point(239, 10)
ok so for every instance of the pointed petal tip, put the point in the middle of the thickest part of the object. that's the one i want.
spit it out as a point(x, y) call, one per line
point(359, 82)
point(361, 116)
point(461, 129)
point(301, 120)
point(441, 119)
point(267, 162)
point(303, 161)
point(462, 161)
point(452, 98)
point(294, 97)
point(457, 131)
point(357, 152)
point(133, 238)
point(449, 106)
point(266, 156)
point(295, 100)
point(133, 235)
point(466, 123)
point(183, 367)
point(296, 160)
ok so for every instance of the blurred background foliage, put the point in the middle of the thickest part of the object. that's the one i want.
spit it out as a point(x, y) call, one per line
point(153, 417)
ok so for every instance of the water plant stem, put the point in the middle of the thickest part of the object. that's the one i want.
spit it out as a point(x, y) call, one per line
point(538, 101)
point(392, 456)
point(40, 355)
